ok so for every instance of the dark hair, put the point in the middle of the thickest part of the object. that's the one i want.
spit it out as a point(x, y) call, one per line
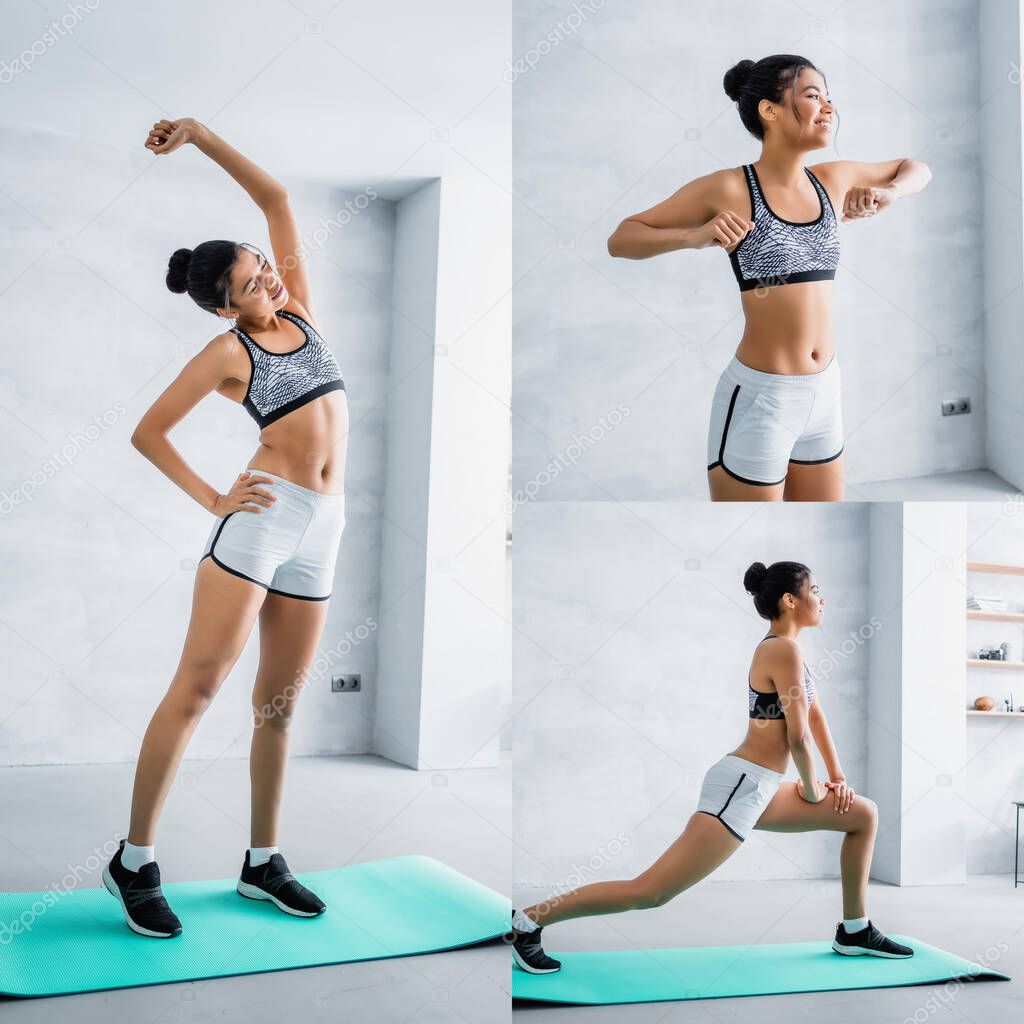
point(204, 272)
point(747, 83)
point(767, 585)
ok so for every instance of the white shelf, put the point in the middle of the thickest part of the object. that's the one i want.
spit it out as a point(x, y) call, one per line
point(997, 714)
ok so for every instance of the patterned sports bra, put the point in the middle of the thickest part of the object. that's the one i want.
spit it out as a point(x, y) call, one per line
point(778, 251)
point(766, 705)
point(281, 382)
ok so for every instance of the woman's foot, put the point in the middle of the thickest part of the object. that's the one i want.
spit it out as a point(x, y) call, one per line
point(869, 941)
point(273, 881)
point(529, 955)
point(145, 909)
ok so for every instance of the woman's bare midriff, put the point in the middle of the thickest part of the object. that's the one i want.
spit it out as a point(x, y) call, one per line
point(788, 328)
point(309, 445)
point(766, 744)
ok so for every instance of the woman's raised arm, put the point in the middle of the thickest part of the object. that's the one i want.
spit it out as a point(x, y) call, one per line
point(264, 190)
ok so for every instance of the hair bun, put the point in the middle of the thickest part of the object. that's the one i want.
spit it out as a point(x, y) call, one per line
point(177, 270)
point(735, 78)
point(754, 577)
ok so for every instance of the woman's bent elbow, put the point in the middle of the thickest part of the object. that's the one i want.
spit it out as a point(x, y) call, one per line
point(142, 440)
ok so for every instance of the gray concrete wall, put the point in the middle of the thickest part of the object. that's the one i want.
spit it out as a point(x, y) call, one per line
point(618, 114)
point(100, 556)
point(999, 64)
point(633, 638)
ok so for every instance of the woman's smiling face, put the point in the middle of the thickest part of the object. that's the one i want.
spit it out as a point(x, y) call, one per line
point(810, 127)
point(806, 607)
point(256, 288)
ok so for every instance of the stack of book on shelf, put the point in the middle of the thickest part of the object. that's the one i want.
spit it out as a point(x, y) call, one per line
point(981, 603)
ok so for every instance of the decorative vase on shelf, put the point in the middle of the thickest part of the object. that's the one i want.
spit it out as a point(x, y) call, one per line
point(984, 703)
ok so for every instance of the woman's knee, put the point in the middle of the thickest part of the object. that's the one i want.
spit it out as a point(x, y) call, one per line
point(866, 812)
point(275, 712)
point(645, 894)
point(273, 716)
point(196, 686)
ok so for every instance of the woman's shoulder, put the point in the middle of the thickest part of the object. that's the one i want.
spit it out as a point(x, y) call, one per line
point(780, 651)
point(296, 308)
point(720, 188)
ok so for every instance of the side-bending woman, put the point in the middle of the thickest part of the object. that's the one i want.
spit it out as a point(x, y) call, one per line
point(745, 790)
point(776, 429)
point(273, 543)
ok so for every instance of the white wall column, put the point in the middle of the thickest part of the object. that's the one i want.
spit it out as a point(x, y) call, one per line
point(916, 734)
point(442, 644)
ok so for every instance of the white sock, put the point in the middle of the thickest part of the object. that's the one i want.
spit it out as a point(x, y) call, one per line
point(854, 924)
point(522, 923)
point(261, 854)
point(133, 857)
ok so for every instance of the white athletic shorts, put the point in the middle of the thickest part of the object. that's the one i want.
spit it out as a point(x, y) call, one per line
point(736, 792)
point(289, 548)
point(761, 422)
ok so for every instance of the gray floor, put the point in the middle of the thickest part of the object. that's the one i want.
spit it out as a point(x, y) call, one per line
point(969, 485)
point(337, 810)
point(966, 920)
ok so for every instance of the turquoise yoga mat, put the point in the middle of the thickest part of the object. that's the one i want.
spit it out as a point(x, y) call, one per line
point(712, 972)
point(60, 941)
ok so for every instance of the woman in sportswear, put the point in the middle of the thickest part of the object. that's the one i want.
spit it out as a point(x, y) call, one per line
point(744, 790)
point(273, 543)
point(776, 429)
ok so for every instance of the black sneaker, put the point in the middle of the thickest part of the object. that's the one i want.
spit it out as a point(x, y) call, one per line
point(145, 909)
point(869, 941)
point(273, 881)
point(530, 956)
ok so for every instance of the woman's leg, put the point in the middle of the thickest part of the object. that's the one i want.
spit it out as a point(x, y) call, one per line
point(788, 812)
point(224, 608)
point(726, 488)
point(704, 844)
point(815, 482)
point(290, 629)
